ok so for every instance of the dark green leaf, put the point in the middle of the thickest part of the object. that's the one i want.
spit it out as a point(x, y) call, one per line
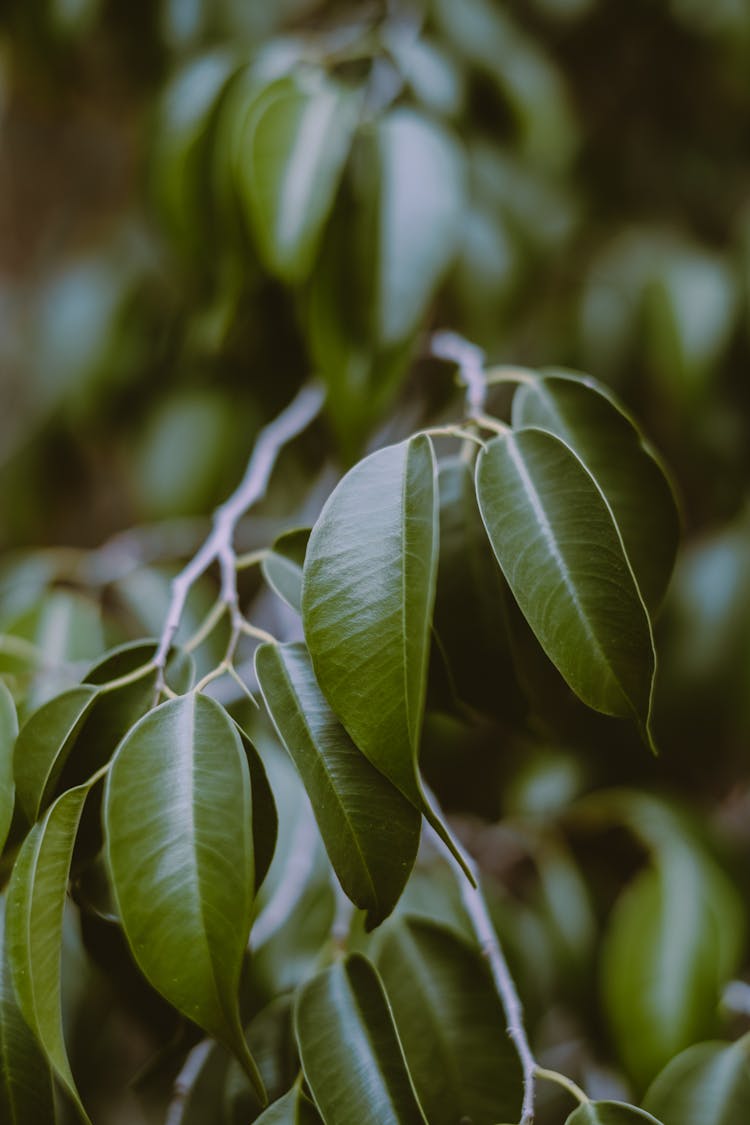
point(370, 830)
point(561, 553)
point(451, 1025)
point(282, 568)
point(350, 1051)
point(708, 1084)
point(178, 822)
point(44, 744)
point(609, 1113)
point(8, 735)
point(589, 420)
point(295, 1108)
point(264, 817)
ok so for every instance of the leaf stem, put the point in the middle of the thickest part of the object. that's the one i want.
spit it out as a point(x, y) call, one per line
point(509, 374)
point(129, 678)
point(562, 1080)
point(487, 422)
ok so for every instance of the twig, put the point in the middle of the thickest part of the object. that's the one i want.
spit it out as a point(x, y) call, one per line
point(219, 544)
point(185, 1081)
point(470, 359)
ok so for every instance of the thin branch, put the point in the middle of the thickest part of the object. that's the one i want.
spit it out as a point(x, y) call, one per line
point(476, 908)
point(470, 359)
point(185, 1081)
point(219, 544)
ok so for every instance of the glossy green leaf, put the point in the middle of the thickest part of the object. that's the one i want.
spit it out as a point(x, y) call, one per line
point(265, 820)
point(708, 1084)
point(561, 553)
point(8, 735)
point(44, 744)
point(292, 157)
point(178, 823)
point(673, 941)
point(587, 418)
point(295, 1108)
point(282, 567)
point(451, 1025)
point(25, 1079)
point(609, 1113)
point(350, 1051)
point(370, 830)
point(368, 592)
point(34, 927)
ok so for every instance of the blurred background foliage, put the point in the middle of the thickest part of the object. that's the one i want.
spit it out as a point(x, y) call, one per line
point(204, 202)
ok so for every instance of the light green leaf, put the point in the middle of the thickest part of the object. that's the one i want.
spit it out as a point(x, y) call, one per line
point(293, 154)
point(25, 1079)
point(44, 744)
point(8, 735)
point(295, 1108)
point(368, 591)
point(609, 1113)
point(282, 568)
point(708, 1084)
point(178, 812)
point(587, 418)
point(34, 925)
point(673, 941)
point(451, 1024)
point(350, 1051)
point(370, 830)
point(560, 551)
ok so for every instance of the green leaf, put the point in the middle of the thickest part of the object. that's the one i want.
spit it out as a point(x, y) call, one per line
point(370, 830)
point(8, 735)
point(561, 553)
point(178, 823)
point(34, 926)
point(265, 818)
point(609, 1113)
point(672, 942)
point(451, 1024)
point(25, 1079)
point(295, 1108)
point(44, 744)
point(588, 419)
point(350, 1051)
point(294, 149)
point(368, 591)
point(282, 567)
point(708, 1084)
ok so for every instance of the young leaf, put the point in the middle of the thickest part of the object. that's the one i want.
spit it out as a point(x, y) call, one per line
point(350, 1051)
point(708, 1084)
point(370, 830)
point(44, 744)
point(178, 823)
point(293, 154)
point(295, 1108)
point(589, 420)
point(34, 922)
point(25, 1079)
point(8, 735)
point(560, 551)
point(451, 1024)
point(609, 1113)
point(368, 591)
point(282, 567)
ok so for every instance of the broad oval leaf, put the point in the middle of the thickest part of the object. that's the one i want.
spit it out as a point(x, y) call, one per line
point(34, 924)
point(587, 418)
point(451, 1025)
point(560, 551)
point(295, 1108)
point(178, 810)
point(8, 735)
point(609, 1113)
point(350, 1051)
point(292, 157)
point(708, 1084)
point(370, 830)
point(25, 1079)
point(282, 567)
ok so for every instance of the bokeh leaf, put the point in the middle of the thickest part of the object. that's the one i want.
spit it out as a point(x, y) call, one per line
point(44, 744)
point(282, 567)
point(8, 735)
point(609, 1113)
point(708, 1084)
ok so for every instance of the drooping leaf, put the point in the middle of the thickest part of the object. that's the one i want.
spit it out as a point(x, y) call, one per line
point(368, 592)
point(587, 418)
point(672, 943)
point(8, 735)
point(265, 818)
point(370, 830)
point(609, 1113)
point(295, 1108)
point(25, 1079)
point(708, 1084)
point(282, 568)
point(560, 551)
point(292, 157)
point(451, 1025)
point(44, 744)
point(350, 1051)
point(178, 823)
point(34, 928)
